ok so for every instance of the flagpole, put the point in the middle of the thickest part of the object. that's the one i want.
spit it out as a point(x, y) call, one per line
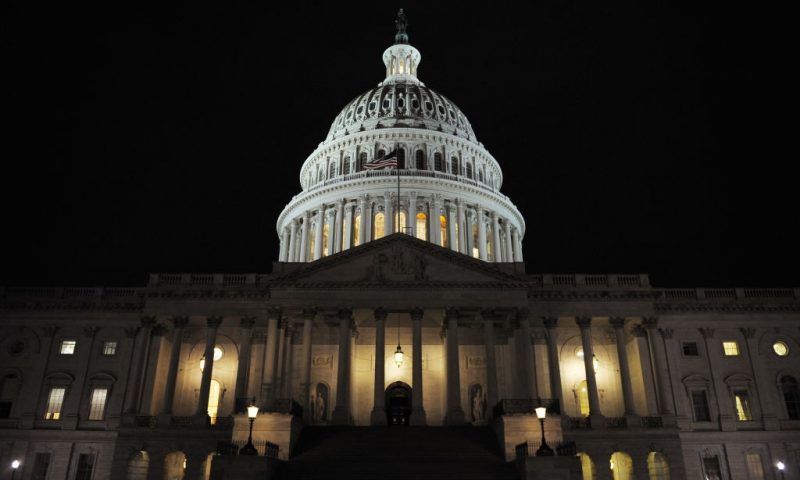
point(399, 229)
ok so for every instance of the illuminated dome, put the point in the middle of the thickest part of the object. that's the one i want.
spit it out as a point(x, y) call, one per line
point(449, 183)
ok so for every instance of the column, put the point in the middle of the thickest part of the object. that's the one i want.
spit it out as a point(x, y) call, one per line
point(302, 256)
point(285, 247)
point(288, 361)
point(508, 253)
point(497, 249)
point(305, 383)
point(336, 233)
point(481, 233)
point(412, 214)
point(469, 220)
point(517, 245)
point(281, 356)
point(141, 347)
point(378, 415)
point(174, 357)
point(418, 416)
point(243, 368)
point(622, 354)
point(347, 237)
point(452, 235)
point(436, 224)
point(341, 414)
point(596, 417)
point(318, 232)
point(525, 357)
point(292, 241)
point(491, 361)
point(554, 368)
point(665, 404)
point(366, 219)
point(462, 227)
point(213, 324)
point(454, 415)
point(270, 352)
point(388, 214)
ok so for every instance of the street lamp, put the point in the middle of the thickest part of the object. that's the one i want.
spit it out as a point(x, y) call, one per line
point(780, 465)
point(252, 413)
point(544, 449)
point(14, 467)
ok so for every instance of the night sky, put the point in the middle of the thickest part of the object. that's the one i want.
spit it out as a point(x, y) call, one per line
point(633, 138)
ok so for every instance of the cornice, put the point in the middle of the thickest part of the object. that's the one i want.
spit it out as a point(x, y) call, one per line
point(53, 305)
point(727, 307)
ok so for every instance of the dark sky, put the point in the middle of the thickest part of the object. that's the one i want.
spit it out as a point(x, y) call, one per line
point(633, 137)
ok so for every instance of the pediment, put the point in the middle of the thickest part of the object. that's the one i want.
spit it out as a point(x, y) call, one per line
point(398, 258)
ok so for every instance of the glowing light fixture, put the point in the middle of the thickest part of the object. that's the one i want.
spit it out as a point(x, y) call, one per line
point(217, 355)
point(399, 356)
point(544, 450)
point(252, 413)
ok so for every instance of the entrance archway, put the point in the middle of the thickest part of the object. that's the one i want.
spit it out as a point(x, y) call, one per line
point(398, 403)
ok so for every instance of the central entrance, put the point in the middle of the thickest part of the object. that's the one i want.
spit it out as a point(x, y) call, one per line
point(398, 403)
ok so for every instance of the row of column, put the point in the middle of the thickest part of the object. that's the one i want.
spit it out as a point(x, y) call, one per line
point(504, 239)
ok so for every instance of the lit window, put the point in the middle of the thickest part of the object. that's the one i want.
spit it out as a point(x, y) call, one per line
point(68, 347)
point(754, 466)
point(422, 226)
point(730, 348)
point(583, 399)
point(213, 401)
point(109, 348)
point(742, 399)
point(780, 348)
point(379, 225)
point(54, 401)
point(98, 403)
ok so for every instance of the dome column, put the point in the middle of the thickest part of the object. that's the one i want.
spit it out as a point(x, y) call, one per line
point(436, 225)
point(388, 217)
point(517, 245)
point(364, 227)
point(509, 251)
point(469, 219)
point(318, 232)
point(302, 255)
point(292, 241)
point(412, 214)
point(481, 233)
point(347, 240)
point(497, 249)
point(286, 241)
point(337, 233)
point(452, 236)
point(462, 225)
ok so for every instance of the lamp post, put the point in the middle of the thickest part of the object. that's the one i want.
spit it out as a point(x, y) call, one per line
point(780, 465)
point(14, 467)
point(252, 413)
point(544, 449)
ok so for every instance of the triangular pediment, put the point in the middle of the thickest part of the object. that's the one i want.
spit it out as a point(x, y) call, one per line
point(397, 258)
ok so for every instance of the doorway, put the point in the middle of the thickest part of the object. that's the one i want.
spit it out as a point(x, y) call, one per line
point(398, 404)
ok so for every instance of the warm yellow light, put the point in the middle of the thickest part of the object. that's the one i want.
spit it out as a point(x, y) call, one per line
point(398, 356)
point(15, 464)
point(217, 355)
point(595, 363)
point(780, 348)
point(780, 466)
point(579, 353)
point(541, 412)
point(252, 411)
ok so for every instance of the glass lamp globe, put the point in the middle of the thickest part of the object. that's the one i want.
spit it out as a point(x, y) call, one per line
point(399, 356)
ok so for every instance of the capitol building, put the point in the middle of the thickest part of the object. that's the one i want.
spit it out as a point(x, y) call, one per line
point(399, 315)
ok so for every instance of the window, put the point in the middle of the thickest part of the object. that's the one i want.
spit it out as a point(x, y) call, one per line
point(5, 409)
point(40, 465)
point(657, 466)
point(381, 154)
point(213, 401)
point(109, 348)
point(700, 406)
point(379, 224)
point(356, 229)
point(711, 468)
point(791, 397)
point(780, 348)
point(469, 170)
point(420, 160)
point(437, 162)
point(587, 466)
point(332, 170)
point(9, 391)
point(97, 406)
point(742, 399)
point(362, 159)
point(54, 401)
point(690, 349)
point(346, 164)
point(621, 466)
point(755, 468)
point(454, 166)
point(68, 347)
point(85, 466)
point(422, 223)
point(583, 399)
point(730, 348)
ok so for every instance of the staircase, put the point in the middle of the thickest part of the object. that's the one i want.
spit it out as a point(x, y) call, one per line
point(402, 453)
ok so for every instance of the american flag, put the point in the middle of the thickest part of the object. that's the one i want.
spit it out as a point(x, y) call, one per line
point(387, 161)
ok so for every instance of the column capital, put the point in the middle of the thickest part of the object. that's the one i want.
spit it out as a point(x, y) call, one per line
point(345, 313)
point(617, 322)
point(639, 331)
point(650, 323)
point(523, 313)
point(147, 321)
point(412, 194)
point(159, 330)
point(305, 216)
point(273, 313)
point(214, 322)
point(666, 333)
point(451, 314)
point(131, 332)
point(707, 332)
point(91, 331)
point(748, 333)
point(309, 313)
point(550, 322)
point(180, 322)
point(380, 313)
point(340, 203)
point(417, 314)
point(583, 322)
point(247, 321)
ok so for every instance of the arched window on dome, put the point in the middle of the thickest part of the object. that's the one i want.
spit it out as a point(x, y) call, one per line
point(420, 160)
point(469, 170)
point(480, 175)
point(438, 165)
point(454, 166)
point(379, 225)
point(346, 166)
point(356, 230)
point(401, 158)
point(320, 174)
point(325, 240)
point(381, 153)
point(332, 170)
point(476, 253)
point(490, 242)
point(443, 227)
point(312, 238)
point(422, 226)
point(362, 160)
point(791, 397)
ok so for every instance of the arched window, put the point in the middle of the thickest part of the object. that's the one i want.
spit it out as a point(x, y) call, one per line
point(490, 242)
point(362, 159)
point(401, 158)
point(480, 175)
point(587, 465)
point(312, 239)
point(791, 397)
point(454, 166)
point(9, 391)
point(332, 170)
point(437, 162)
point(320, 174)
point(469, 170)
point(175, 466)
point(476, 252)
point(755, 467)
point(381, 154)
point(346, 166)
point(657, 466)
point(583, 398)
point(325, 240)
point(443, 226)
point(137, 466)
point(379, 226)
point(420, 160)
point(213, 400)
point(621, 466)
point(422, 226)
point(356, 229)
